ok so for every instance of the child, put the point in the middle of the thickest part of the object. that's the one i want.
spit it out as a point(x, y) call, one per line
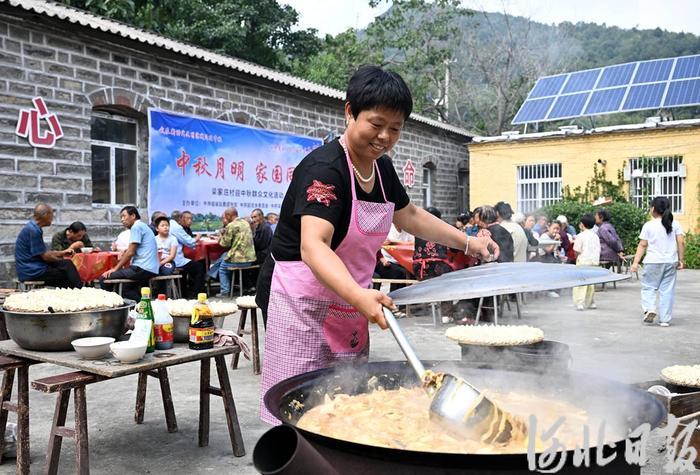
point(587, 249)
point(167, 248)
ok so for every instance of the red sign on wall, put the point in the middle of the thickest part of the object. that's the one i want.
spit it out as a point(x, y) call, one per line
point(29, 125)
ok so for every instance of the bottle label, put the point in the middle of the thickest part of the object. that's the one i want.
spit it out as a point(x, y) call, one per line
point(201, 335)
point(164, 333)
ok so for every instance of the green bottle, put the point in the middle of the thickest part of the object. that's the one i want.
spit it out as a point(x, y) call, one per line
point(145, 312)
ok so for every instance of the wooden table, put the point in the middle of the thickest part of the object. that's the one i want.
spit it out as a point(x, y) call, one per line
point(108, 368)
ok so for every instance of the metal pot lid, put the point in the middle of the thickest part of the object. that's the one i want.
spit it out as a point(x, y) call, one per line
point(502, 279)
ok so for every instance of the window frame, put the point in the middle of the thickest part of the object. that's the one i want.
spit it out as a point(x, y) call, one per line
point(656, 176)
point(427, 185)
point(543, 176)
point(112, 146)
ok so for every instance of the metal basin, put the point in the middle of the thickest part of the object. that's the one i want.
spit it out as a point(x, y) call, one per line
point(55, 331)
point(181, 327)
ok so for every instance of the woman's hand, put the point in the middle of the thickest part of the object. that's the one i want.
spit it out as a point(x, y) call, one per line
point(483, 247)
point(680, 265)
point(370, 303)
point(634, 268)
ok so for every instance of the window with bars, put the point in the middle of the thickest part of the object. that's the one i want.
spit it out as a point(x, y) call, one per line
point(114, 149)
point(538, 185)
point(658, 176)
point(427, 185)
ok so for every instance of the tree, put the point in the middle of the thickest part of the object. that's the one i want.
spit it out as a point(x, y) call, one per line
point(256, 30)
point(500, 57)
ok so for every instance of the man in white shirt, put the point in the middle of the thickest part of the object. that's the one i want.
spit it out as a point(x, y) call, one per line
point(587, 249)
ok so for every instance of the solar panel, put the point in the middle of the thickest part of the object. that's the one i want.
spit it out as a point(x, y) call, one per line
point(669, 82)
point(569, 106)
point(607, 100)
point(548, 86)
point(582, 81)
point(651, 71)
point(682, 93)
point(647, 96)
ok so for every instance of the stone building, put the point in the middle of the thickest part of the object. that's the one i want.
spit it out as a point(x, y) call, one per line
point(100, 77)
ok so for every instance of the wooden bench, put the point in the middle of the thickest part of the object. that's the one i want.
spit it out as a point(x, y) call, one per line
point(119, 283)
point(76, 381)
point(253, 332)
point(26, 285)
point(63, 384)
point(240, 278)
point(10, 365)
point(172, 289)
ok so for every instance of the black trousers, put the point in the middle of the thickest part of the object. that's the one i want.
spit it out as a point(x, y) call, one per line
point(192, 279)
point(61, 274)
point(393, 271)
point(131, 291)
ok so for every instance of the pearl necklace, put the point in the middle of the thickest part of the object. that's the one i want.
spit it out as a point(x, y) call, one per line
point(357, 172)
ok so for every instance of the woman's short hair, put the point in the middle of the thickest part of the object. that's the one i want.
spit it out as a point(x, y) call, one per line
point(76, 227)
point(372, 87)
point(604, 214)
point(588, 220)
point(504, 210)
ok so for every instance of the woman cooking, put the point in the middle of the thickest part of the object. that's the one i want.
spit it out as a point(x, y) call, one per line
point(315, 287)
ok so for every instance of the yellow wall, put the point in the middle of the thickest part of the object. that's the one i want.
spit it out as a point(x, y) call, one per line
point(493, 166)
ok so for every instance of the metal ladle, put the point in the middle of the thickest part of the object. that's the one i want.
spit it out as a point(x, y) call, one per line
point(457, 405)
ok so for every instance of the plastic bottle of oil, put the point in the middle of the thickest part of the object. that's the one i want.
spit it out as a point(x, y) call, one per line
point(201, 325)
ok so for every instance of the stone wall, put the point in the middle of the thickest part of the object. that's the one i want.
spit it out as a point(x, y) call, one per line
point(86, 69)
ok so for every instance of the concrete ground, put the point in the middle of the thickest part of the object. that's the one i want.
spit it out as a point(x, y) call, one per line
point(609, 341)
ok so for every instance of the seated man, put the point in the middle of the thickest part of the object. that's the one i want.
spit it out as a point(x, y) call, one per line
point(142, 252)
point(34, 262)
point(237, 237)
point(154, 216)
point(193, 271)
point(186, 222)
point(262, 237)
point(272, 219)
point(73, 237)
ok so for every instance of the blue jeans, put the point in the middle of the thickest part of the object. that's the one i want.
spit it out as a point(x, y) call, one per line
point(661, 278)
point(223, 271)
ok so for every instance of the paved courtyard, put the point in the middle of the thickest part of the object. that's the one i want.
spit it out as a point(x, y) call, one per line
point(609, 341)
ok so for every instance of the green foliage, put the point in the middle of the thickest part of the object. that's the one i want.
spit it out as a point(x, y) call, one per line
point(598, 186)
point(256, 30)
point(692, 251)
point(626, 217)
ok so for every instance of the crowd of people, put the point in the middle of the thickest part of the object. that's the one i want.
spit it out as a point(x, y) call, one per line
point(523, 238)
point(146, 250)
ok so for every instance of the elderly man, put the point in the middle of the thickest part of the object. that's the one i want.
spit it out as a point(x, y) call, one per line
point(193, 271)
point(237, 237)
point(504, 214)
point(142, 253)
point(272, 219)
point(154, 216)
point(186, 223)
point(33, 261)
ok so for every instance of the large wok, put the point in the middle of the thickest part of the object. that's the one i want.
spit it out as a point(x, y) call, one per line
point(629, 407)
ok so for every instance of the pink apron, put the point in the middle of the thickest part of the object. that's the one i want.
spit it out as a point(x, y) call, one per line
point(310, 327)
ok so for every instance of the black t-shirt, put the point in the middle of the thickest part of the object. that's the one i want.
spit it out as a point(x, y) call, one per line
point(321, 187)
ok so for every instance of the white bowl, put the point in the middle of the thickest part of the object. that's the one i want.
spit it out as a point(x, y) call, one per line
point(92, 347)
point(87, 250)
point(128, 351)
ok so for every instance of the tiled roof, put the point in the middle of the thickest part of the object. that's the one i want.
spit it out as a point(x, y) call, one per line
point(73, 15)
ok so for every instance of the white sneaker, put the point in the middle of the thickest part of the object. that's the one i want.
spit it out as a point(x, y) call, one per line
point(579, 307)
point(593, 306)
point(664, 324)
